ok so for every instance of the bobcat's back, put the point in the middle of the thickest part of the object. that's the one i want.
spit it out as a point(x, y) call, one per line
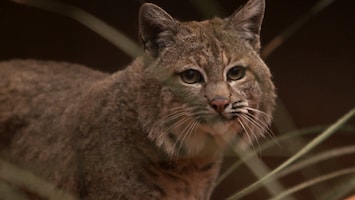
point(35, 97)
point(34, 90)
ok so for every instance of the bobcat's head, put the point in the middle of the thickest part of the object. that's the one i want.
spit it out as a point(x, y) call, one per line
point(214, 87)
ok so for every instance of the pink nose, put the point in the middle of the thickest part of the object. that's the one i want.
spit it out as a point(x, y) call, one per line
point(219, 104)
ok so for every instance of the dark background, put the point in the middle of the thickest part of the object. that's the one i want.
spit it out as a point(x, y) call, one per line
point(314, 70)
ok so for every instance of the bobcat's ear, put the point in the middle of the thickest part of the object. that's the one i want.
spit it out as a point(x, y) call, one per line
point(156, 29)
point(247, 21)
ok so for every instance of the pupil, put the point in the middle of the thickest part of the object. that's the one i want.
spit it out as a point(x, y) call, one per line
point(235, 71)
point(191, 74)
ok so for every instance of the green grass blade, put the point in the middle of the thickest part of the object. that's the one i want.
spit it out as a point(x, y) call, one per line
point(260, 169)
point(8, 192)
point(288, 136)
point(340, 190)
point(24, 179)
point(317, 158)
point(289, 31)
point(314, 181)
point(328, 132)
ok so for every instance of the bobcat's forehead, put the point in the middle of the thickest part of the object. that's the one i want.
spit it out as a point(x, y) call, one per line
point(209, 46)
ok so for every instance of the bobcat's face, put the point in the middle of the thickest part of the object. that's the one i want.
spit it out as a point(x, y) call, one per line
point(214, 87)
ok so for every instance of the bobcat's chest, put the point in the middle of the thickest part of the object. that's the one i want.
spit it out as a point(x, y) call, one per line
point(183, 179)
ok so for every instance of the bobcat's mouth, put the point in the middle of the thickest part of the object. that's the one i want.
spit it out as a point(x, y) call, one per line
point(229, 116)
point(233, 111)
point(231, 121)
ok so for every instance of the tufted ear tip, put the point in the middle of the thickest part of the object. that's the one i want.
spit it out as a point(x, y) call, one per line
point(156, 28)
point(248, 20)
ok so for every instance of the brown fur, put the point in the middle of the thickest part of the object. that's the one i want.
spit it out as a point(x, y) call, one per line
point(141, 133)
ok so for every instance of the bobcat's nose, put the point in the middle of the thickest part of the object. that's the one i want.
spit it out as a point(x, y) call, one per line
point(219, 104)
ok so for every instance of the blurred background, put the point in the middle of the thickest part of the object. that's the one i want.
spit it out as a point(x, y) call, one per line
point(313, 69)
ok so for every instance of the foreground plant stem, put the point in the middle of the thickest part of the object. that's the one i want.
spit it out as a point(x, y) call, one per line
point(316, 141)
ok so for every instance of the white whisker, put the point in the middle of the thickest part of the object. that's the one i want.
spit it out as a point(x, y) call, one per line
point(254, 135)
point(187, 131)
point(172, 117)
point(260, 128)
point(260, 125)
point(263, 114)
point(264, 122)
point(200, 113)
point(246, 133)
point(178, 123)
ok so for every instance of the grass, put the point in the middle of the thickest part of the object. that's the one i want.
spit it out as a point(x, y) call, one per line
point(312, 144)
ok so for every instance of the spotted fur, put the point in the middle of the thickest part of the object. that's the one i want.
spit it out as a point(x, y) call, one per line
point(155, 130)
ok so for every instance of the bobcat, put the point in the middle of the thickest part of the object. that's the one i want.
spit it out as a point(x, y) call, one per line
point(155, 130)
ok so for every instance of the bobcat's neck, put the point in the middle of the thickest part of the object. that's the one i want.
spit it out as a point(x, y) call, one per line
point(154, 104)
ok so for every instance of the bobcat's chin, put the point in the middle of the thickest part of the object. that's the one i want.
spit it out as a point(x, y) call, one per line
point(239, 124)
point(224, 132)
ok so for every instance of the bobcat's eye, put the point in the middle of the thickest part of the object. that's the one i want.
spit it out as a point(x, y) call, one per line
point(236, 73)
point(191, 76)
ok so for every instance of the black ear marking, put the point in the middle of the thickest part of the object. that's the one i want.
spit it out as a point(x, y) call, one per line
point(248, 20)
point(156, 28)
